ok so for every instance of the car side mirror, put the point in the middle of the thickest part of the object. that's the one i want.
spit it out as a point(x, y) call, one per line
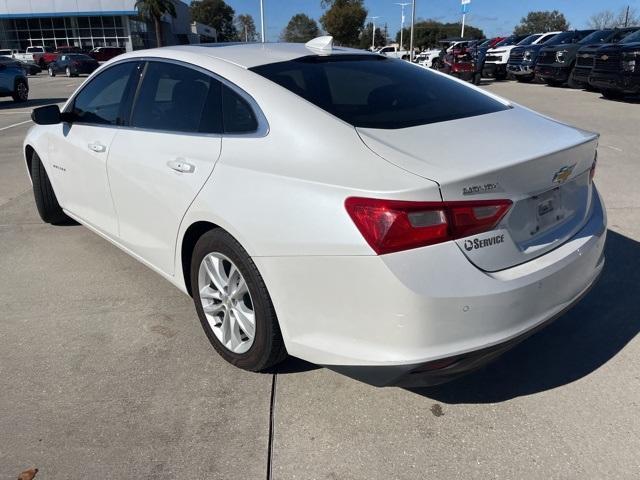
point(50, 115)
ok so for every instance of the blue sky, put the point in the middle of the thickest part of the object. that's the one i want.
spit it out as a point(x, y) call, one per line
point(493, 16)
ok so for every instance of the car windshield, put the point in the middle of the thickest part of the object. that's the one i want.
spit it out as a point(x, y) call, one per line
point(599, 36)
point(530, 39)
point(512, 40)
point(564, 38)
point(372, 91)
point(634, 37)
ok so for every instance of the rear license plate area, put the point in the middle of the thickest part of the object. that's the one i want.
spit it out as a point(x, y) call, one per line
point(547, 209)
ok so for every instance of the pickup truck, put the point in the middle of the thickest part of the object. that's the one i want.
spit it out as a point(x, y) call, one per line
point(523, 58)
point(616, 71)
point(557, 59)
point(26, 56)
point(495, 63)
point(394, 52)
point(587, 54)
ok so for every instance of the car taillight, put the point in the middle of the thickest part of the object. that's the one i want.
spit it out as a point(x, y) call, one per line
point(395, 225)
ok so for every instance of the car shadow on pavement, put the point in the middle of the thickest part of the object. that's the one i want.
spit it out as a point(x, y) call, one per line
point(574, 346)
point(36, 102)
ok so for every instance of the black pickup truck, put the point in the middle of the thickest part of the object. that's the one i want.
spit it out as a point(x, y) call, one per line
point(616, 71)
point(557, 62)
point(585, 57)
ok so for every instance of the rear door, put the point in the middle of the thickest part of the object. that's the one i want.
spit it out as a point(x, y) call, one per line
point(159, 163)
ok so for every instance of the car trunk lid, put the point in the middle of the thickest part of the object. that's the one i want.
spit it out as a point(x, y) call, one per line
point(539, 164)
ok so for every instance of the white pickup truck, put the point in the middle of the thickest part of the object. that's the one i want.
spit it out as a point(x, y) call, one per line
point(26, 56)
point(393, 52)
point(495, 62)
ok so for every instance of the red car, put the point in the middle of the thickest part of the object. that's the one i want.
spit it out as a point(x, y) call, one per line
point(44, 59)
point(102, 54)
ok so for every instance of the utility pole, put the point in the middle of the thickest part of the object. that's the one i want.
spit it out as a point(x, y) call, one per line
point(626, 17)
point(402, 5)
point(413, 21)
point(262, 21)
point(373, 32)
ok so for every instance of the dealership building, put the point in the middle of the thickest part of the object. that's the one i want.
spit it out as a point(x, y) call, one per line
point(92, 23)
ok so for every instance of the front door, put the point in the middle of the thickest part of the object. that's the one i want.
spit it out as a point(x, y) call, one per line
point(80, 152)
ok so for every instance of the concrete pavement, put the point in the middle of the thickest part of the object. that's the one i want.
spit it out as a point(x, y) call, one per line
point(105, 372)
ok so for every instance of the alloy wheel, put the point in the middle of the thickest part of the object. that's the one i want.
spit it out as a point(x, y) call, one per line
point(226, 302)
point(22, 91)
point(68, 72)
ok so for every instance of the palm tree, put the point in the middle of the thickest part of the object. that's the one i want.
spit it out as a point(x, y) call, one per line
point(155, 9)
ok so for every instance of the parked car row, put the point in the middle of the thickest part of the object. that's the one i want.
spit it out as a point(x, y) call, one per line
point(606, 60)
point(70, 59)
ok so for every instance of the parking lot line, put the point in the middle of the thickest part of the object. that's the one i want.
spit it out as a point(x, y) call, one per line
point(14, 125)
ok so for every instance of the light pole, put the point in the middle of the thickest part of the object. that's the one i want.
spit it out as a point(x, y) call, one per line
point(373, 32)
point(402, 5)
point(262, 21)
point(413, 21)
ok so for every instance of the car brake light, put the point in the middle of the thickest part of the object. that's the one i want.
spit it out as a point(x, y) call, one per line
point(395, 225)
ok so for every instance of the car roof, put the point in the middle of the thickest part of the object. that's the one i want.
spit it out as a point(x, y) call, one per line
point(249, 55)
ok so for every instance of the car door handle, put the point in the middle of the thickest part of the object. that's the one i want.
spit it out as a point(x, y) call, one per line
point(179, 165)
point(97, 147)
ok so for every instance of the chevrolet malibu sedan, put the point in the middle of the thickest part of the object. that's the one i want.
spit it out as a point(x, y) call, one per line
point(318, 202)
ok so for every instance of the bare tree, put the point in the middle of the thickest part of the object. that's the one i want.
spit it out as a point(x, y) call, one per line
point(626, 17)
point(603, 19)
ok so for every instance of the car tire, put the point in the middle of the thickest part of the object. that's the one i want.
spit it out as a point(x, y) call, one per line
point(52, 73)
point(68, 72)
point(20, 91)
point(266, 347)
point(477, 79)
point(46, 200)
point(573, 84)
point(524, 79)
point(553, 83)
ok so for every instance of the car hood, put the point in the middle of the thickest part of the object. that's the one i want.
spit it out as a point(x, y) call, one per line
point(568, 47)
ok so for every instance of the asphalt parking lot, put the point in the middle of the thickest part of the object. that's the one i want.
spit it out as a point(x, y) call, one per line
point(105, 372)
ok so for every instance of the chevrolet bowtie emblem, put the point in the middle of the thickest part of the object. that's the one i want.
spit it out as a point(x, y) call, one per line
point(604, 57)
point(563, 174)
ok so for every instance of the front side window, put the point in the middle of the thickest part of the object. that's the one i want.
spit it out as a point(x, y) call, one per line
point(101, 100)
point(530, 39)
point(374, 91)
point(178, 99)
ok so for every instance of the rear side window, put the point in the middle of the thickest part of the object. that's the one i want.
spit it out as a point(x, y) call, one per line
point(101, 100)
point(238, 115)
point(378, 92)
point(178, 99)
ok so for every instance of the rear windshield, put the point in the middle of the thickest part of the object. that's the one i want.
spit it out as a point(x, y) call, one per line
point(378, 92)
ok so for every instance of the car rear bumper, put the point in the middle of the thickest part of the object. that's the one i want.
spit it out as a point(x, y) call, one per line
point(615, 81)
point(385, 319)
point(557, 74)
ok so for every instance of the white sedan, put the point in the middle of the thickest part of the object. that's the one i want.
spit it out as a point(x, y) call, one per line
point(321, 202)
